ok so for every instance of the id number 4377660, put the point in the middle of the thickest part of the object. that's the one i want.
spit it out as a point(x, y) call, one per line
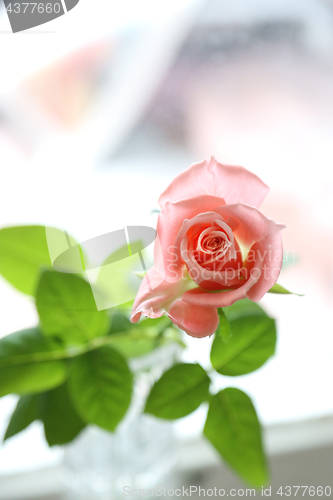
point(31, 7)
point(312, 491)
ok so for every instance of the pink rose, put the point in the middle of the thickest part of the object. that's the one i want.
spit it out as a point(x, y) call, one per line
point(213, 247)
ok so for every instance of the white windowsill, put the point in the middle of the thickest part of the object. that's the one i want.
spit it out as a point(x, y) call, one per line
point(195, 454)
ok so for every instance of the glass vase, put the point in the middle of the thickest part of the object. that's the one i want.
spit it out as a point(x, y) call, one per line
point(141, 454)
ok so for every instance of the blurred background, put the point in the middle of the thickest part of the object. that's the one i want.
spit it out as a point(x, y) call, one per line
point(101, 108)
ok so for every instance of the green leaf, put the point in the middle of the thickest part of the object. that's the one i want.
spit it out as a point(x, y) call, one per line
point(23, 252)
point(132, 348)
point(26, 412)
point(244, 307)
point(67, 309)
point(126, 306)
point(281, 290)
point(61, 421)
point(224, 329)
point(138, 339)
point(29, 363)
point(120, 323)
point(157, 325)
point(100, 387)
point(233, 428)
point(178, 392)
point(252, 343)
point(116, 280)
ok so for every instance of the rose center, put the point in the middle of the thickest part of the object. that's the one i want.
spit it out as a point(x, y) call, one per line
point(212, 243)
point(212, 246)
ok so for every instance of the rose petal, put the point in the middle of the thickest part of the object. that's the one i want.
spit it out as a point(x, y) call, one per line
point(253, 226)
point(232, 183)
point(200, 275)
point(266, 253)
point(272, 263)
point(199, 297)
point(196, 321)
point(169, 224)
point(155, 295)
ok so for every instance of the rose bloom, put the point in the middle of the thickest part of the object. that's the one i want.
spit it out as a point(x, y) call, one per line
point(213, 247)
